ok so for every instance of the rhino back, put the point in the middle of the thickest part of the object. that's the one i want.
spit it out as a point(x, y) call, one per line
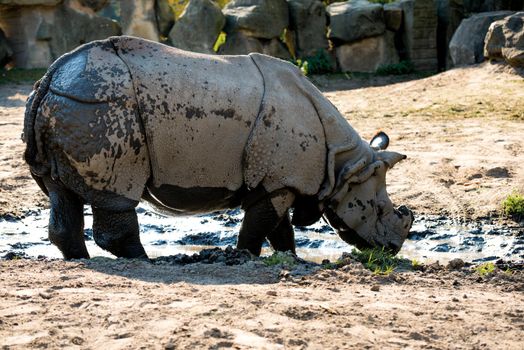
point(90, 116)
point(198, 111)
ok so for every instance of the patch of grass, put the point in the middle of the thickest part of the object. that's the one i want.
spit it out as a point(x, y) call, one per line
point(485, 269)
point(19, 76)
point(513, 206)
point(378, 260)
point(280, 258)
point(416, 265)
point(401, 68)
point(320, 63)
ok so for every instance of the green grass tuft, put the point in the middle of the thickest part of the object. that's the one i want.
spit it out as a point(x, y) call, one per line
point(280, 258)
point(19, 76)
point(485, 269)
point(378, 260)
point(513, 206)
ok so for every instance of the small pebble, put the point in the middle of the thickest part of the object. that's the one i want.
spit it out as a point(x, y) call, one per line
point(375, 288)
point(272, 293)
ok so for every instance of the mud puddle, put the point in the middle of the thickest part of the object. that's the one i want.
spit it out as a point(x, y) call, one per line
point(431, 238)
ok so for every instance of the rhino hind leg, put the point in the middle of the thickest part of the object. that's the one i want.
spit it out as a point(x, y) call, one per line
point(66, 222)
point(117, 231)
point(263, 215)
point(282, 238)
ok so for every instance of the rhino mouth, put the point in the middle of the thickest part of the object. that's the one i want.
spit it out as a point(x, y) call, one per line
point(352, 237)
point(347, 234)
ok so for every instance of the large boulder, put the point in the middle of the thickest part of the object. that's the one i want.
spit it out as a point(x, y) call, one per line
point(308, 23)
point(393, 16)
point(138, 19)
point(198, 27)
point(50, 31)
point(367, 54)
point(354, 20)
point(467, 45)
point(165, 17)
point(505, 40)
point(5, 50)
point(265, 19)
point(240, 43)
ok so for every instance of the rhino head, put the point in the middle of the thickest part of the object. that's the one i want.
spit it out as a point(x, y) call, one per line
point(360, 209)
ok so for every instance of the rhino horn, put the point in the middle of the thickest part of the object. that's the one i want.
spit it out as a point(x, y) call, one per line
point(390, 158)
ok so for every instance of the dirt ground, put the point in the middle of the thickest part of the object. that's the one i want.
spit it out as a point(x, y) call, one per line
point(462, 131)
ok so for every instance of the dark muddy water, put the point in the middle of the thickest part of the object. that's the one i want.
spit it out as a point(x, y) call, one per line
point(431, 238)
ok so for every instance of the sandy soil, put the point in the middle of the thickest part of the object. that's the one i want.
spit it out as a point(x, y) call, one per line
point(462, 131)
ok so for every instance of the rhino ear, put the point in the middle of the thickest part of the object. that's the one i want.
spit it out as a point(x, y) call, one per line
point(380, 141)
point(390, 158)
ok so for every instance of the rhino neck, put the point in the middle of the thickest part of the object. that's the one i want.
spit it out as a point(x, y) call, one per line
point(345, 148)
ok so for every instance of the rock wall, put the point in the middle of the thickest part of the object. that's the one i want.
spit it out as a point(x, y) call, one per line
point(360, 35)
point(421, 35)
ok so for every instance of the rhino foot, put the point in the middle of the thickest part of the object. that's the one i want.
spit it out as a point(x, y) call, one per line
point(66, 222)
point(267, 215)
point(118, 232)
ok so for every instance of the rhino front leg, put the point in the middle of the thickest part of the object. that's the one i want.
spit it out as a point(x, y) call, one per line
point(117, 231)
point(66, 222)
point(263, 217)
point(282, 238)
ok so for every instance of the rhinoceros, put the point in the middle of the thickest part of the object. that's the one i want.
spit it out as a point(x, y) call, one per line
point(124, 119)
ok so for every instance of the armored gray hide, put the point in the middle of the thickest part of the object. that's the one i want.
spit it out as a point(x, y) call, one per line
point(199, 121)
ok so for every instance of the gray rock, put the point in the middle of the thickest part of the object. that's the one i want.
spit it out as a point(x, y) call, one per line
point(240, 43)
point(198, 27)
point(354, 20)
point(276, 48)
point(72, 28)
point(165, 17)
point(467, 45)
point(494, 41)
point(138, 19)
point(49, 32)
point(308, 23)
point(393, 16)
point(505, 40)
point(5, 50)
point(257, 18)
point(368, 54)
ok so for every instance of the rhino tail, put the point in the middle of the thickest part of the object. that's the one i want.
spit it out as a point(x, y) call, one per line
point(34, 154)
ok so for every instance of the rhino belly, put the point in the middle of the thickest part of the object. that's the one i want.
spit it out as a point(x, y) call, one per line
point(194, 200)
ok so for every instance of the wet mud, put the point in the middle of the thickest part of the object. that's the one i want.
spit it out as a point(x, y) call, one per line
point(194, 238)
